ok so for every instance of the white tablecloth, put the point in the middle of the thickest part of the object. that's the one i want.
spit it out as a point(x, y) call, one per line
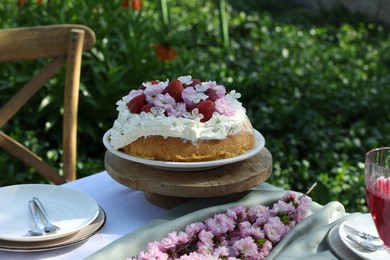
point(126, 210)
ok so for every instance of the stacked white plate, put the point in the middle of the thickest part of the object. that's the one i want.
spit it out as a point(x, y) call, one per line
point(345, 248)
point(76, 213)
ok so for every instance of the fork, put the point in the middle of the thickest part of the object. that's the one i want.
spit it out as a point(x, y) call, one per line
point(365, 244)
point(359, 233)
point(49, 227)
point(36, 231)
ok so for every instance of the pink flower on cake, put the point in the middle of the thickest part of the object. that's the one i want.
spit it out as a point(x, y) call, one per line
point(178, 110)
point(224, 107)
point(191, 96)
point(165, 102)
point(152, 91)
point(209, 84)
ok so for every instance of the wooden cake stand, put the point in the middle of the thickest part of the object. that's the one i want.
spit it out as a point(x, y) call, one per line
point(166, 188)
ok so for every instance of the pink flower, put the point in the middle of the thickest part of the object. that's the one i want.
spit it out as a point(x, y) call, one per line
point(259, 212)
point(245, 247)
point(237, 234)
point(238, 213)
point(169, 241)
point(290, 197)
point(220, 224)
point(221, 251)
point(191, 96)
point(206, 237)
point(303, 208)
point(152, 91)
point(220, 90)
point(246, 230)
point(194, 228)
point(178, 110)
point(224, 107)
point(264, 250)
point(165, 102)
point(274, 229)
point(282, 208)
point(209, 84)
point(193, 256)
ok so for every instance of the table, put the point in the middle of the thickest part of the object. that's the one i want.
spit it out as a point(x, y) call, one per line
point(126, 210)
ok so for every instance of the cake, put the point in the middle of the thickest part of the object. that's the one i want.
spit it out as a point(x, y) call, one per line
point(183, 120)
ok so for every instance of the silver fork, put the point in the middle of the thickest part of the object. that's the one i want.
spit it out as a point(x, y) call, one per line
point(365, 244)
point(49, 227)
point(36, 231)
point(359, 233)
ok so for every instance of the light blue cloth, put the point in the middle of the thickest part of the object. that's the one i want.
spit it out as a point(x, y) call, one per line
point(305, 241)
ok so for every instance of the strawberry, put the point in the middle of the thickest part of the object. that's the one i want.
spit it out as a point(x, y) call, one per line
point(212, 94)
point(174, 88)
point(206, 108)
point(135, 105)
point(142, 87)
point(146, 108)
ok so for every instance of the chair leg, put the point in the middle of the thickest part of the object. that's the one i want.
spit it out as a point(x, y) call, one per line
point(19, 151)
point(72, 86)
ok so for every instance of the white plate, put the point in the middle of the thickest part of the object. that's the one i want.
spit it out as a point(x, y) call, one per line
point(363, 222)
point(188, 166)
point(79, 237)
point(69, 209)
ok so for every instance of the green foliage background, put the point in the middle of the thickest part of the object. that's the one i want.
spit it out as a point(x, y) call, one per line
point(316, 85)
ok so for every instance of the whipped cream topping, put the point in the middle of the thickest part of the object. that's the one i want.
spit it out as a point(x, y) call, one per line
point(128, 127)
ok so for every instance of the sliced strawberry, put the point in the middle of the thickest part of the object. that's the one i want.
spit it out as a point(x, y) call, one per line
point(135, 105)
point(206, 108)
point(155, 82)
point(146, 108)
point(174, 89)
point(212, 94)
point(142, 87)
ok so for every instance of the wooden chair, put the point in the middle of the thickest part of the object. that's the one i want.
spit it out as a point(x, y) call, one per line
point(63, 45)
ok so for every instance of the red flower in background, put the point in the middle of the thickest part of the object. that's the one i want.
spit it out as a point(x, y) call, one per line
point(39, 2)
point(21, 2)
point(125, 4)
point(136, 4)
point(164, 52)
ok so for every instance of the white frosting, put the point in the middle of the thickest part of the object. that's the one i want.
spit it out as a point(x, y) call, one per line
point(129, 127)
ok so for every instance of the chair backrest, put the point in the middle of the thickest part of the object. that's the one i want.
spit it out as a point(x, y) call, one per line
point(63, 45)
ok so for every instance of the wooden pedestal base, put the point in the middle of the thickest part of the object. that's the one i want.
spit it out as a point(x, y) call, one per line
point(167, 188)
